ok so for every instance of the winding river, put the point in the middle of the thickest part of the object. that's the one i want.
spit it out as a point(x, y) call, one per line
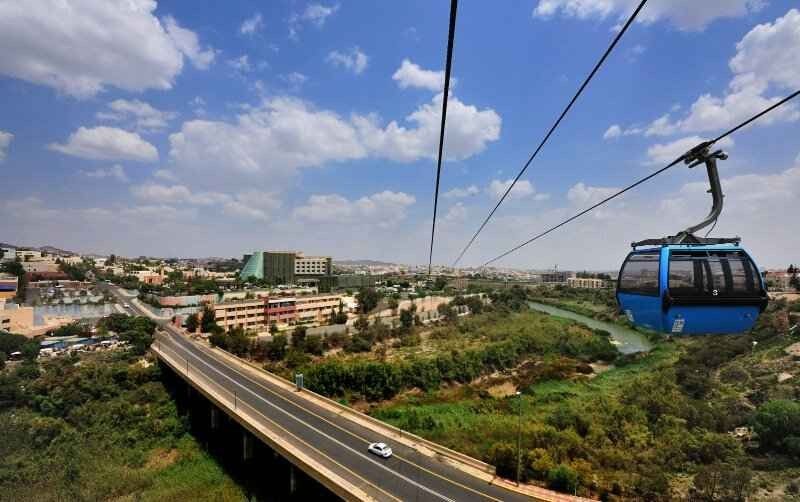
point(627, 340)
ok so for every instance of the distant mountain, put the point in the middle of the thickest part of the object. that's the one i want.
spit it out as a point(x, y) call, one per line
point(364, 263)
point(46, 249)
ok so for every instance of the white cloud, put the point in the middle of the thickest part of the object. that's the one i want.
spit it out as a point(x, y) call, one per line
point(684, 14)
point(468, 132)
point(584, 195)
point(294, 79)
point(106, 143)
point(240, 64)
point(5, 141)
point(198, 105)
point(522, 189)
point(457, 212)
point(82, 46)
point(768, 57)
point(613, 132)
point(662, 154)
point(317, 13)
point(284, 134)
point(188, 43)
point(249, 204)
point(252, 204)
point(142, 116)
point(314, 13)
point(382, 209)
point(412, 75)
point(251, 25)
point(116, 172)
point(460, 193)
point(354, 60)
point(165, 174)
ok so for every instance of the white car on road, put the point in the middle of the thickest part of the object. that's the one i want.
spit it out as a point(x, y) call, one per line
point(380, 449)
point(125, 305)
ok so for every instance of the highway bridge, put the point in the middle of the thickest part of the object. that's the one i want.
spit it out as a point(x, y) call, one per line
point(327, 440)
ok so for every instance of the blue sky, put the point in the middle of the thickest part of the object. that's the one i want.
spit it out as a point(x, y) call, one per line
point(178, 128)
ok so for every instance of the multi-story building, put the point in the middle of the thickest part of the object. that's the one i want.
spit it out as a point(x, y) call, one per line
point(257, 314)
point(38, 266)
point(316, 309)
point(8, 286)
point(585, 283)
point(285, 267)
point(247, 314)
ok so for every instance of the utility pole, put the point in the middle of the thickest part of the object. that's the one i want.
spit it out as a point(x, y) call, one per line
point(519, 435)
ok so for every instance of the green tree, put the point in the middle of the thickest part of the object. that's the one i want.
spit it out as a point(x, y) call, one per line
point(207, 320)
point(777, 422)
point(192, 323)
point(314, 345)
point(368, 299)
point(277, 347)
point(299, 337)
point(439, 283)
point(273, 328)
point(406, 319)
point(563, 478)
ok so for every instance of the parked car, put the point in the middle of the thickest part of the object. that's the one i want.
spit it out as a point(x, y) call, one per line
point(380, 449)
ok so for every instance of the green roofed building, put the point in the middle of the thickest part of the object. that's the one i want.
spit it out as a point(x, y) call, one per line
point(285, 267)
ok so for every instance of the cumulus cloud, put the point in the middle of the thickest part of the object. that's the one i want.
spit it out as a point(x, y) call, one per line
point(615, 131)
point(106, 143)
point(460, 193)
point(767, 59)
point(684, 14)
point(382, 209)
point(412, 75)
point(468, 132)
point(82, 46)
point(250, 204)
point(251, 25)
point(522, 189)
point(189, 44)
point(165, 174)
point(116, 172)
point(284, 134)
point(457, 212)
point(240, 64)
point(140, 115)
point(664, 153)
point(316, 14)
point(5, 141)
point(354, 60)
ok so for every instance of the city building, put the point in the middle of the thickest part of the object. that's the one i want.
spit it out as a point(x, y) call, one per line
point(8, 286)
point(585, 283)
point(778, 280)
point(247, 314)
point(8, 254)
point(554, 277)
point(39, 266)
point(258, 313)
point(285, 267)
point(316, 309)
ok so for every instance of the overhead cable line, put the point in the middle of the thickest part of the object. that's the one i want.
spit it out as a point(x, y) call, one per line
point(450, 39)
point(554, 126)
point(680, 159)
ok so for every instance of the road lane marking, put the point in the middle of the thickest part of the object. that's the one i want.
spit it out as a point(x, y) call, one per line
point(343, 445)
point(399, 457)
point(288, 432)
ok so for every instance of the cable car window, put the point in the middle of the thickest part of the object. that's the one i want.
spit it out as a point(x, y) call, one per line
point(640, 274)
point(714, 274)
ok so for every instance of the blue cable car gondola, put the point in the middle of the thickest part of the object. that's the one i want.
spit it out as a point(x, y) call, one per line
point(686, 284)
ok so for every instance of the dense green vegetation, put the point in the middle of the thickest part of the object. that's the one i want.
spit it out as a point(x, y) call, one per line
point(100, 427)
point(654, 427)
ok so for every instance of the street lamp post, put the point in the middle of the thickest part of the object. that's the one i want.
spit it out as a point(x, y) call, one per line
point(519, 435)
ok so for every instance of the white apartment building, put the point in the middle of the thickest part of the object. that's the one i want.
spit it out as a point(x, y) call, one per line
point(247, 314)
point(311, 265)
point(316, 309)
point(585, 283)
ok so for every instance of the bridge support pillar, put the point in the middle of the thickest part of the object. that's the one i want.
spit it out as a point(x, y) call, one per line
point(247, 446)
point(214, 418)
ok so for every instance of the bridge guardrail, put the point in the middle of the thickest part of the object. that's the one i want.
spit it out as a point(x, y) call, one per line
point(357, 415)
point(253, 419)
